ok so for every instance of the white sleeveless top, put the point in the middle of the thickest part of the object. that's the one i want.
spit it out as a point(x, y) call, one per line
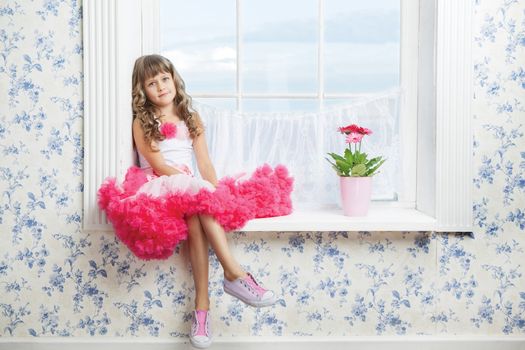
point(177, 151)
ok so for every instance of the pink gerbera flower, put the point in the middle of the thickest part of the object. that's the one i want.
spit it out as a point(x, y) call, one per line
point(353, 128)
point(354, 137)
point(169, 130)
point(366, 131)
point(350, 129)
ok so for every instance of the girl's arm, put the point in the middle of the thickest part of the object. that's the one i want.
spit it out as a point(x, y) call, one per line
point(155, 159)
point(204, 163)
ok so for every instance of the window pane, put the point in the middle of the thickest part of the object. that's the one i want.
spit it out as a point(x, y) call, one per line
point(279, 46)
point(279, 105)
point(361, 45)
point(199, 38)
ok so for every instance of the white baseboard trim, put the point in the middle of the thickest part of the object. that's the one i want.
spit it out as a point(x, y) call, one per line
point(273, 343)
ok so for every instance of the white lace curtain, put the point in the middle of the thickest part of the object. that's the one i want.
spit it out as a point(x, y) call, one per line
point(242, 141)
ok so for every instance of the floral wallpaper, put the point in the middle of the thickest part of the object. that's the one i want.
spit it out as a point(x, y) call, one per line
point(56, 280)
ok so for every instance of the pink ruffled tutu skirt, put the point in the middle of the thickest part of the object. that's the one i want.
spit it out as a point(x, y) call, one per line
point(149, 212)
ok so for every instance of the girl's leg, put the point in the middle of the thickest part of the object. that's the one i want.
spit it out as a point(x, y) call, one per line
point(237, 282)
point(198, 250)
point(217, 239)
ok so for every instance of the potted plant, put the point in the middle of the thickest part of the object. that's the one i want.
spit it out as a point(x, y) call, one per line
point(355, 171)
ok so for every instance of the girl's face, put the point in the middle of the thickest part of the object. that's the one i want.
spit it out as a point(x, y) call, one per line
point(160, 89)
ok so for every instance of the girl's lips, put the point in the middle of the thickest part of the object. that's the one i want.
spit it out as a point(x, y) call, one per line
point(164, 94)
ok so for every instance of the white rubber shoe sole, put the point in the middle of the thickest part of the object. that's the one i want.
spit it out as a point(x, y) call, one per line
point(265, 301)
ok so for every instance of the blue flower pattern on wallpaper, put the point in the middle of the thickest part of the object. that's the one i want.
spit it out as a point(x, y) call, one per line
point(56, 280)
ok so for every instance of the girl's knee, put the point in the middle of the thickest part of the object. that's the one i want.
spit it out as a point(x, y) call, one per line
point(193, 223)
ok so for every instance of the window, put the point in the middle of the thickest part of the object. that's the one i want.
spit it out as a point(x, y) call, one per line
point(294, 74)
point(435, 74)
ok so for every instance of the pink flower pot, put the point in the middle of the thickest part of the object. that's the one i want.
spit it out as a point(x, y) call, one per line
point(356, 193)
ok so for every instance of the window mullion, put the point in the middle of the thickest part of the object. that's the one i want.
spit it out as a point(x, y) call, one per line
point(409, 77)
point(305, 96)
point(239, 55)
point(320, 55)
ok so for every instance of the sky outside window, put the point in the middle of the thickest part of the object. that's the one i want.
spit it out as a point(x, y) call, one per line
point(361, 46)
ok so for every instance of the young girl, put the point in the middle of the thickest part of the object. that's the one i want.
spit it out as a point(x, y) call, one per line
point(167, 132)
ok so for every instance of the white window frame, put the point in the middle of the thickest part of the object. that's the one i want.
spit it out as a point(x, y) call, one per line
point(440, 75)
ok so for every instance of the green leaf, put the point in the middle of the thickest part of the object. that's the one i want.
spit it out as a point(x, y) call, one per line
point(334, 166)
point(337, 157)
point(371, 171)
point(344, 167)
point(359, 158)
point(337, 170)
point(372, 162)
point(349, 157)
point(329, 161)
point(340, 166)
point(359, 170)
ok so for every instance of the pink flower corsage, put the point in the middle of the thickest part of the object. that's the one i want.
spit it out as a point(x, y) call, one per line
point(169, 130)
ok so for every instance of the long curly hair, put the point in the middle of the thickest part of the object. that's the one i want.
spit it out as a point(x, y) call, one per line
point(145, 68)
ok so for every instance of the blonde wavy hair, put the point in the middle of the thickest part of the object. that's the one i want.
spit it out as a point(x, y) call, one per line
point(145, 68)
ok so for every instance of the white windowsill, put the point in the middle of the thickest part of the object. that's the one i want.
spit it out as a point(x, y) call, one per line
point(379, 218)
point(382, 217)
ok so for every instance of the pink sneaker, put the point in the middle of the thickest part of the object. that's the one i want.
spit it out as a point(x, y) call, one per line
point(249, 291)
point(200, 335)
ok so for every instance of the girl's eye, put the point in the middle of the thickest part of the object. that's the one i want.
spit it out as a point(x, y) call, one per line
point(151, 84)
point(165, 78)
